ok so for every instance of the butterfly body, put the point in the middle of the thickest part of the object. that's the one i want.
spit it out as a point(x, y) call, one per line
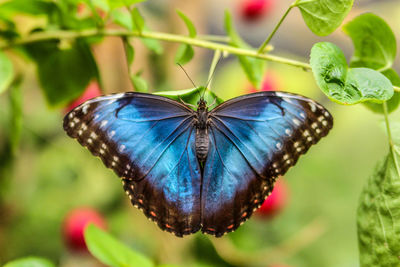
point(197, 170)
point(202, 137)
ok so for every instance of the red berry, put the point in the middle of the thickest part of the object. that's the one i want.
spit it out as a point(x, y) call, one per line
point(276, 201)
point(93, 90)
point(74, 226)
point(270, 83)
point(255, 9)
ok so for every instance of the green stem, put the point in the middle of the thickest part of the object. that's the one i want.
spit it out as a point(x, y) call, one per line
point(215, 38)
point(261, 49)
point(199, 42)
point(389, 133)
point(54, 35)
point(215, 60)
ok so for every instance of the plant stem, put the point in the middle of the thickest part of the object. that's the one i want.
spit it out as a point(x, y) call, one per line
point(199, 42)
point(215, 60)
point(261, 49)
point(389, 133)
point(54, 35)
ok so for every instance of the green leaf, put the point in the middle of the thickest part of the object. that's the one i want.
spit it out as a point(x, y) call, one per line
point(184, 54)
point(31, 7)
point(30, 262)
point(254, 68)
point(152, 44)
point(123, 3)
point(63, 73)
point(122, 18)
point(139, 84)
point(192, 96)
point(374, 42)
point(16, 102)
point(378, 215)
point(344, 85)
point(6, 72)
point(374, 47)
point(137, 19)
point(132, 22)
point(393, 102)
point(323, 17)
point(189, 24)
point(112, 252)
point(102, 4)
point(129, 51)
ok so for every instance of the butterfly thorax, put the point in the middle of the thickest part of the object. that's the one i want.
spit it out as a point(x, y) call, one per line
point(201, 125)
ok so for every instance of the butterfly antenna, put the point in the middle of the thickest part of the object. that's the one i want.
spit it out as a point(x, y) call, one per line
point(212, 74)
point(187, 75)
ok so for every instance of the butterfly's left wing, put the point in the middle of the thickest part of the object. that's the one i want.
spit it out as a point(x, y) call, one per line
point(254, 139)
point(149, 141)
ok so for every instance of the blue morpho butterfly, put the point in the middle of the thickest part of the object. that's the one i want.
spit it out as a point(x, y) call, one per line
point(191, 170)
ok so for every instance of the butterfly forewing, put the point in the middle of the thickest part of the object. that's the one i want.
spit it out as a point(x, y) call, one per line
point(150, 142)
point(254, 139)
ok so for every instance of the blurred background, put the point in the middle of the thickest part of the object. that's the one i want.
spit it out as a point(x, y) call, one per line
point(53, 184)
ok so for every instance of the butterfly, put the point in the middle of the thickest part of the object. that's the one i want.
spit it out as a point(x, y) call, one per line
point(191, 170)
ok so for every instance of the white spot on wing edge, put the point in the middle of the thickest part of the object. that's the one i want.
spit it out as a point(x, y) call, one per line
point(296, 121)
point(85, 108)
point(314, 125)
point(279, 145)
point(103, 123)
point(312, 106)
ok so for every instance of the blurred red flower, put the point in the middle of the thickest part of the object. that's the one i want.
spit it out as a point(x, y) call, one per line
point(252, 10)
point(276, 201)
point(91, 91)
point(74, 225)
point(270, 83)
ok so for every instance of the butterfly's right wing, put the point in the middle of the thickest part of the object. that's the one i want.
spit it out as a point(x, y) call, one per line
point(149, 141)
point(253, 139)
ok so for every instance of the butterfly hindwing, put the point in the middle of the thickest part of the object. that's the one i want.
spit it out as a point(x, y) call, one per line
point(254, 139)
point(149, 141)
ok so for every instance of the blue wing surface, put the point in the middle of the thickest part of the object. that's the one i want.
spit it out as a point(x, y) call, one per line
point(254, 139)
point(149, 141)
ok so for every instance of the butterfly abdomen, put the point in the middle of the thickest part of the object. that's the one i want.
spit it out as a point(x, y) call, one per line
point(202, 144)
point(202, 139)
